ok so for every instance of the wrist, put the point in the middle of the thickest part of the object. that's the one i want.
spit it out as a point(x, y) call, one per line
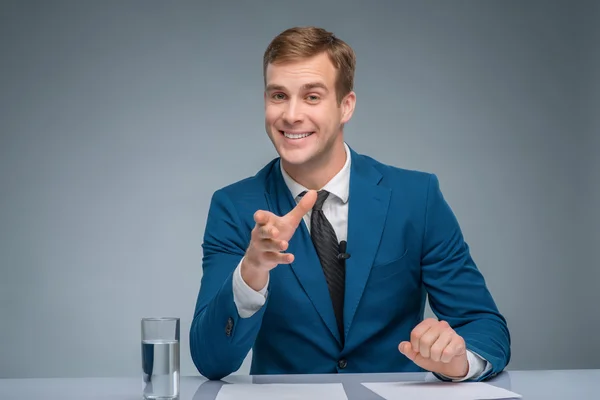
point(254, 276)
point(458, 368)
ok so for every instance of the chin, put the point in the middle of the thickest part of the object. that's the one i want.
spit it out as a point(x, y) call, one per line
point(295, 156)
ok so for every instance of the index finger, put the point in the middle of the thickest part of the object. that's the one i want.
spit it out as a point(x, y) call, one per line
point(304, 205)
point(419, 331)
point(262, 217)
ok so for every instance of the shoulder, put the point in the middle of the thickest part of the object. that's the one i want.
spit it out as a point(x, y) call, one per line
point(409, 188)
point(248, 191)
point(396, 177)
point(412, 192)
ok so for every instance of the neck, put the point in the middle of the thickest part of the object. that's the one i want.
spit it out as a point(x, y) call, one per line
point(315, 174)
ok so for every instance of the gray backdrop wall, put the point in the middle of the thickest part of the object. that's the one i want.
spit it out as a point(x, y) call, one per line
point(119, 119)
point(593, 171)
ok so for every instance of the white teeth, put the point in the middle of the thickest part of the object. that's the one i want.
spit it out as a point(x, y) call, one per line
point(296, 135)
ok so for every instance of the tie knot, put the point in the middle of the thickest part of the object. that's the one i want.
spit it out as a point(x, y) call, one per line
point(321, 197)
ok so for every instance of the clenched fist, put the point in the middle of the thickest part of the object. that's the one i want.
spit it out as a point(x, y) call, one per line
point(436, 347)
point(269, 240)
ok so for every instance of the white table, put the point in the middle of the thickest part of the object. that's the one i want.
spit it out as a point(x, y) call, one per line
point(533, 385)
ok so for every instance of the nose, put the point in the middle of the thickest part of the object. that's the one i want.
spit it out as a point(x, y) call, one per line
point(292, 113)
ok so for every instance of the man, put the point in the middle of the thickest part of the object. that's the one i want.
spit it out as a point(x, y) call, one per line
point(322, 261)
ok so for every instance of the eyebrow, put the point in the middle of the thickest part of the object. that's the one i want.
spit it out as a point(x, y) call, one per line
point(307, 86)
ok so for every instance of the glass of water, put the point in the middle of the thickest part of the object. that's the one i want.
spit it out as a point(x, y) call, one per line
point(160, 358)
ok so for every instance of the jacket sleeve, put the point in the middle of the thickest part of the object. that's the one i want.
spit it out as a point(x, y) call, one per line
point(457, 290)
point(219, 338)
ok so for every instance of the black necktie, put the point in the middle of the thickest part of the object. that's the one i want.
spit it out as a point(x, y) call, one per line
point(327, 247)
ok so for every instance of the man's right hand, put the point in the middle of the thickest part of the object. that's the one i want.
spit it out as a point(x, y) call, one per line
point(269, 240)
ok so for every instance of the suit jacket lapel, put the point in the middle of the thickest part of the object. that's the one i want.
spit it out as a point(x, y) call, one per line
point(306, 265)
point(367, 212)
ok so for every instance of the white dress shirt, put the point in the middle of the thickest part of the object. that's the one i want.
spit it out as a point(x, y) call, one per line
point(335, 208)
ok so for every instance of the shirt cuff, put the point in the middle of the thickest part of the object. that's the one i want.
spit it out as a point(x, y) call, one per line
point(477, 367)
point(247, 300)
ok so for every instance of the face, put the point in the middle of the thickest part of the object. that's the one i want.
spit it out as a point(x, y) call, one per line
point(302, 116)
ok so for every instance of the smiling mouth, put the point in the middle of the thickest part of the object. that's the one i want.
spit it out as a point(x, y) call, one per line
point(296, 135)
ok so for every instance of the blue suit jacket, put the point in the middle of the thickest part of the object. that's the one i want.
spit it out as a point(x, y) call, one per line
point(404, 242)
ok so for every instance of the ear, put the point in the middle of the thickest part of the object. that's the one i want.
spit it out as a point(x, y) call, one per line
point(347, 106)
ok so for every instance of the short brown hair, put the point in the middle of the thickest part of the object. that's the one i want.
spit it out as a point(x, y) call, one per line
point(303, 42)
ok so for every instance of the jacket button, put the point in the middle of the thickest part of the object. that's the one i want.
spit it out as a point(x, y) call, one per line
point(229, 326)
point(342, 364)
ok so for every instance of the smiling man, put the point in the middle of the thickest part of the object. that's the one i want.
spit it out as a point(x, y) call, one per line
point(322, 261)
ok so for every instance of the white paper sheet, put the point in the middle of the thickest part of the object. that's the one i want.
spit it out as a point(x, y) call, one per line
point(282, 391)
point(439, 390)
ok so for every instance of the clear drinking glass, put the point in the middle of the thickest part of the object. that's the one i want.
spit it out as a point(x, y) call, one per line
point(160, 358)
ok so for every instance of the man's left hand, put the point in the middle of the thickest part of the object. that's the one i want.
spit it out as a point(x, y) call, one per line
point(436, 347)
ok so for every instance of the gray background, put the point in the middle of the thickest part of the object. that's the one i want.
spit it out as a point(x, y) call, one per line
point(119, 119)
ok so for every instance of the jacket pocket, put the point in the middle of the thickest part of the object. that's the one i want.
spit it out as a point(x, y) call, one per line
point(386, 269)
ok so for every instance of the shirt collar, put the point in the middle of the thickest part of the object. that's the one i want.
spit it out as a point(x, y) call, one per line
point(339, 185)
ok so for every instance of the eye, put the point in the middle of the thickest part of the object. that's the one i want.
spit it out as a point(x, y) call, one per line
point(313, 98)
point(278, 96)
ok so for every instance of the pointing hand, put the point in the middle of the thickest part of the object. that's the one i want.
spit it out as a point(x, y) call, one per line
point(269, 241)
